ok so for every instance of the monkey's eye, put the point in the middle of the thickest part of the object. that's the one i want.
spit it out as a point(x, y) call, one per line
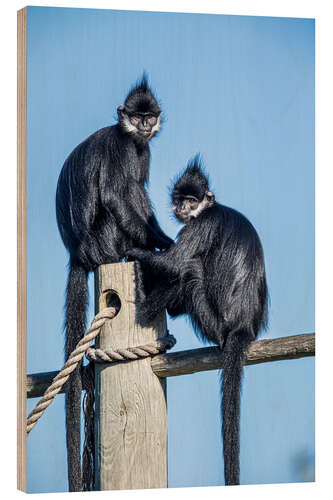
point(135, 119)
point(193, 203)
point(152, 120)
point(191, 199)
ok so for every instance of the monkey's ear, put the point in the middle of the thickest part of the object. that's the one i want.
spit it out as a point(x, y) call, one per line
point(210, 196)
point(121, 111)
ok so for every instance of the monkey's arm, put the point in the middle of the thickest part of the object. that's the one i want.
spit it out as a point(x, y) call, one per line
point(124, 202)
point(138, 194)
point(136, 226)
point(170, 263)
point(152, 221)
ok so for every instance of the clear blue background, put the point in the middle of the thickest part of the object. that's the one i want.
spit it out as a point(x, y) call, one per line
point(241, 91)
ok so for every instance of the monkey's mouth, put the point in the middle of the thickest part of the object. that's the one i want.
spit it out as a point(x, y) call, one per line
point(145, 136)
point(182, 217)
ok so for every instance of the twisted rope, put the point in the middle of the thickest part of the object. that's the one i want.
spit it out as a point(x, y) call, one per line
point(131, 353)
point(70, 365)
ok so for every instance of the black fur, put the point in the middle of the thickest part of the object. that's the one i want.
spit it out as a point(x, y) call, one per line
point(103, 210)
point(216, 274)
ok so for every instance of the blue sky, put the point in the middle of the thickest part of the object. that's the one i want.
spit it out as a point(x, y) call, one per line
point(241, 91)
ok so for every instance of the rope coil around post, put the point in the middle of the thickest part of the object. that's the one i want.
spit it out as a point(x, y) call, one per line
point(70, 365)
point(131, 353)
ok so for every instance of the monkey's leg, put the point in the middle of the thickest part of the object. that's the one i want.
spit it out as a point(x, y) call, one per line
point(157, 300)
point(198, 304)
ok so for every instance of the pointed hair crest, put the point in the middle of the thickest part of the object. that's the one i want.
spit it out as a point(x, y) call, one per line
point(193, 181)
point(143, 82)
point(141, 98)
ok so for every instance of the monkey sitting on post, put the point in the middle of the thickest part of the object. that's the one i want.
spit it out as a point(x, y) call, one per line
point(103, 210)
point(215, 273)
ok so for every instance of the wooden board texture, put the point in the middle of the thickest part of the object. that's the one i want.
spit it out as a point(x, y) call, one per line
point(21, 246)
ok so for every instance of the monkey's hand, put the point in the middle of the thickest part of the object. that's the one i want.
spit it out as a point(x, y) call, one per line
point(139, 254)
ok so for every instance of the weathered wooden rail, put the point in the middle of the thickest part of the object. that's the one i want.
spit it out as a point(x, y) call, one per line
point(203, 359)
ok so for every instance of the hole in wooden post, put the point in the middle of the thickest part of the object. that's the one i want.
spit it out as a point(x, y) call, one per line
point(112, 299)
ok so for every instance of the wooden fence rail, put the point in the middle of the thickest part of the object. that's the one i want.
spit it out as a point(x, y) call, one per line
point(207, 358)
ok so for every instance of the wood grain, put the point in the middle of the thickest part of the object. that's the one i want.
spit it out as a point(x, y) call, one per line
point(131, 433)
point(211, 358)
point(207, 358)
point(21, 247)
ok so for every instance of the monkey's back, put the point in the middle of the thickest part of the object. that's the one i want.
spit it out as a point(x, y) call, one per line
point(234, 269)
point(81, 216)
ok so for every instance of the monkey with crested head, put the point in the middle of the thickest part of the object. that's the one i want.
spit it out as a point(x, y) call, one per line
point(103, 210)
point(215, 273)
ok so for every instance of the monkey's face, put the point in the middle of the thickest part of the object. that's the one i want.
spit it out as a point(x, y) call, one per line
point(188, 207)
point(142, 125)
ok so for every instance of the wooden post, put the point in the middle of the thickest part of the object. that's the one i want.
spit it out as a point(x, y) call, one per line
point(131, 422)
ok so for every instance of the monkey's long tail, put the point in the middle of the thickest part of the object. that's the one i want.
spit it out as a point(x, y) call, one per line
point(231, 379)
point(75, 323)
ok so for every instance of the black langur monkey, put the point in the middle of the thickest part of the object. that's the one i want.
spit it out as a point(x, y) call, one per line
point(215, 273)
point(103, 210)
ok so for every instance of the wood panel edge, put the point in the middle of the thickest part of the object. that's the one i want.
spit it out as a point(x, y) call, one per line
point(21, 247)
